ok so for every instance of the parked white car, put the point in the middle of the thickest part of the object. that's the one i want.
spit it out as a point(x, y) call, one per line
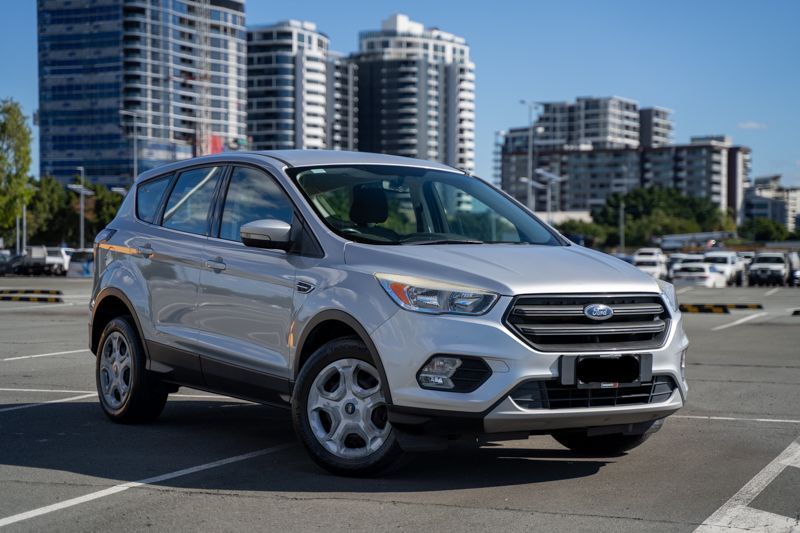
point(655, 266)
point(729, 264)
point(57, 260)
point(677, 259)
point(650, 252)
point(700, 274)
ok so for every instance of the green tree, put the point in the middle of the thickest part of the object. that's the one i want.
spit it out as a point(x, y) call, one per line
point(15, 161)
point(660, 203)
point(104, 208)
point(764, 229)
point(49, 199)
point(595, 234)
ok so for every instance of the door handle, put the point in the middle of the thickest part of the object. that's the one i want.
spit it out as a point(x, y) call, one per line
point(215, 264)
point(145, 251)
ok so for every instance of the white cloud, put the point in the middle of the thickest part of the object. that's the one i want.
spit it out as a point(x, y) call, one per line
point(751, 125)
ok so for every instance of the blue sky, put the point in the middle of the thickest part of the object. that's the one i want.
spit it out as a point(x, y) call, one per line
point(729, 67)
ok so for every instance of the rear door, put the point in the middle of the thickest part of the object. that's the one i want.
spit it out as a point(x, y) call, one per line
point(245, 298)
point(171, 256)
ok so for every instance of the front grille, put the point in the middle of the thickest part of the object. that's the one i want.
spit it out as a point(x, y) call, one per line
point(552, 394)
point(558, 323)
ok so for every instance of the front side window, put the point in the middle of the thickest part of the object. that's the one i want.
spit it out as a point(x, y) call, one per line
point(397, 205)
point(252, 195)
point(189, 202)
point(148, 198)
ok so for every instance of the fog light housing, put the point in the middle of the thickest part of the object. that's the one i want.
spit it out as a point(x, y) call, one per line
point(437, 372)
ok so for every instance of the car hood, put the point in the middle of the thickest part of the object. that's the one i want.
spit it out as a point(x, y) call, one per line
point(506, 269)
point(767, 266)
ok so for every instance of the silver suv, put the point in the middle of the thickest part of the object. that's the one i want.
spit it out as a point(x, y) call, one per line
point(393, 304)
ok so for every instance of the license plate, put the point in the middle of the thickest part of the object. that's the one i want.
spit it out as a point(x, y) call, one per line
point(605, 371)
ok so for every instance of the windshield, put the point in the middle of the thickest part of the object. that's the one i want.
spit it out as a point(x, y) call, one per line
point(774, 260)
point(646, 263)
point(688, 269)
point(82, 257)
point(718, 260)
point(392, 205)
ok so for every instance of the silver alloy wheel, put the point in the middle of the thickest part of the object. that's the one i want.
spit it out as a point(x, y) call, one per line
point(347, 410)
point(116, 372)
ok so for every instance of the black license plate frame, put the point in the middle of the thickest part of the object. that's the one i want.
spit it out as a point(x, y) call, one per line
point(569, 366)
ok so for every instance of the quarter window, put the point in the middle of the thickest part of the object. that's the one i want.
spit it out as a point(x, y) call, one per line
point(148, 198)
point(252, 195)
point(188, 205)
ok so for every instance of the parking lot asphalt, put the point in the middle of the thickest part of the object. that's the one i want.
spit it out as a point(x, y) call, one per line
point(730, 459)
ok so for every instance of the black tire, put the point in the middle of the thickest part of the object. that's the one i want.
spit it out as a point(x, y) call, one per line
point(378, 461)
point(147, 395)
point(739, 279)
point(603, 445)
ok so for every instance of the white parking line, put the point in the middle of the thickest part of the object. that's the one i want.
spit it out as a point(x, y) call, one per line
point(684, 289)
point(739, 419)
point(44, 355)
point(40, 404)
point(36, 307)
point(737, 322)
point(772, 291)
point(65, 391)
point(735, 515)
point(133, 484)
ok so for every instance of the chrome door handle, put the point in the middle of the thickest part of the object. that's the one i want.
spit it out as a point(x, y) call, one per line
point(215, 265)
point(144, 251)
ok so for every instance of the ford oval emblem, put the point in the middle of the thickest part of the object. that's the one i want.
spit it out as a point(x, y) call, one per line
point(598, 311)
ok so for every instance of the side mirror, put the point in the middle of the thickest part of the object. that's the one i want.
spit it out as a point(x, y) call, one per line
point(267, 233)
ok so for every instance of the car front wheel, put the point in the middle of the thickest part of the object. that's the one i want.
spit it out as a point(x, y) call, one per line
point(339, 410)
point(128, 392)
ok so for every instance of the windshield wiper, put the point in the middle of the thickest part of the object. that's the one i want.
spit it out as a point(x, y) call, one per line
point(444, 241)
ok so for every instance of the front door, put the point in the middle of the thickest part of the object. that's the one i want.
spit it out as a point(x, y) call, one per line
point(245, 298)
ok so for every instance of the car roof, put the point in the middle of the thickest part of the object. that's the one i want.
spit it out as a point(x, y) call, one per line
point(301, 158)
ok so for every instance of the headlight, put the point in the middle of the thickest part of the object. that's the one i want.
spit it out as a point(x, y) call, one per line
point(669, 291)
point(435, 297)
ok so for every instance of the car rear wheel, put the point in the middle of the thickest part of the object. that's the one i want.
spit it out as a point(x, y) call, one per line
point(128, 392)
point(339, 411)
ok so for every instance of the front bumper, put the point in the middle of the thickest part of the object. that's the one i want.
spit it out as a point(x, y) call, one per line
point(407, 340)
point(771, 275)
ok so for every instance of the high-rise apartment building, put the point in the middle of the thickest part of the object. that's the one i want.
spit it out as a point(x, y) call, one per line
point(655, 127)
point(299, 93)
point(342, 105)
point(166, 77)
point(707, 167)
point(769, 199)
point(610, 122)
point(416, 93)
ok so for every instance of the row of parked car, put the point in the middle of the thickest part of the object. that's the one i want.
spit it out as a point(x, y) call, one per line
point(721, 268)
point(48, 261)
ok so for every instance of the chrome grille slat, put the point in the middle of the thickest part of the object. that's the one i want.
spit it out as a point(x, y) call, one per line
point(655, 326)
point(557, 322)
point(558, 311)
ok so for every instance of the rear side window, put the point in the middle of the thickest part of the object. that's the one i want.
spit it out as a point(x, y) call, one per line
point(252, 195)
point(189, 202)
point(148, 198)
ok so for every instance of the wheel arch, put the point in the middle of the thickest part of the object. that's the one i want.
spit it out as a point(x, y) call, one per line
point(333, 324)
point(110, 304)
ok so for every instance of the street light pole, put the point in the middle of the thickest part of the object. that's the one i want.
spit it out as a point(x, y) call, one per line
point(531, 133)
point(82, 171)
point(551, 178)
point(24, 226)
